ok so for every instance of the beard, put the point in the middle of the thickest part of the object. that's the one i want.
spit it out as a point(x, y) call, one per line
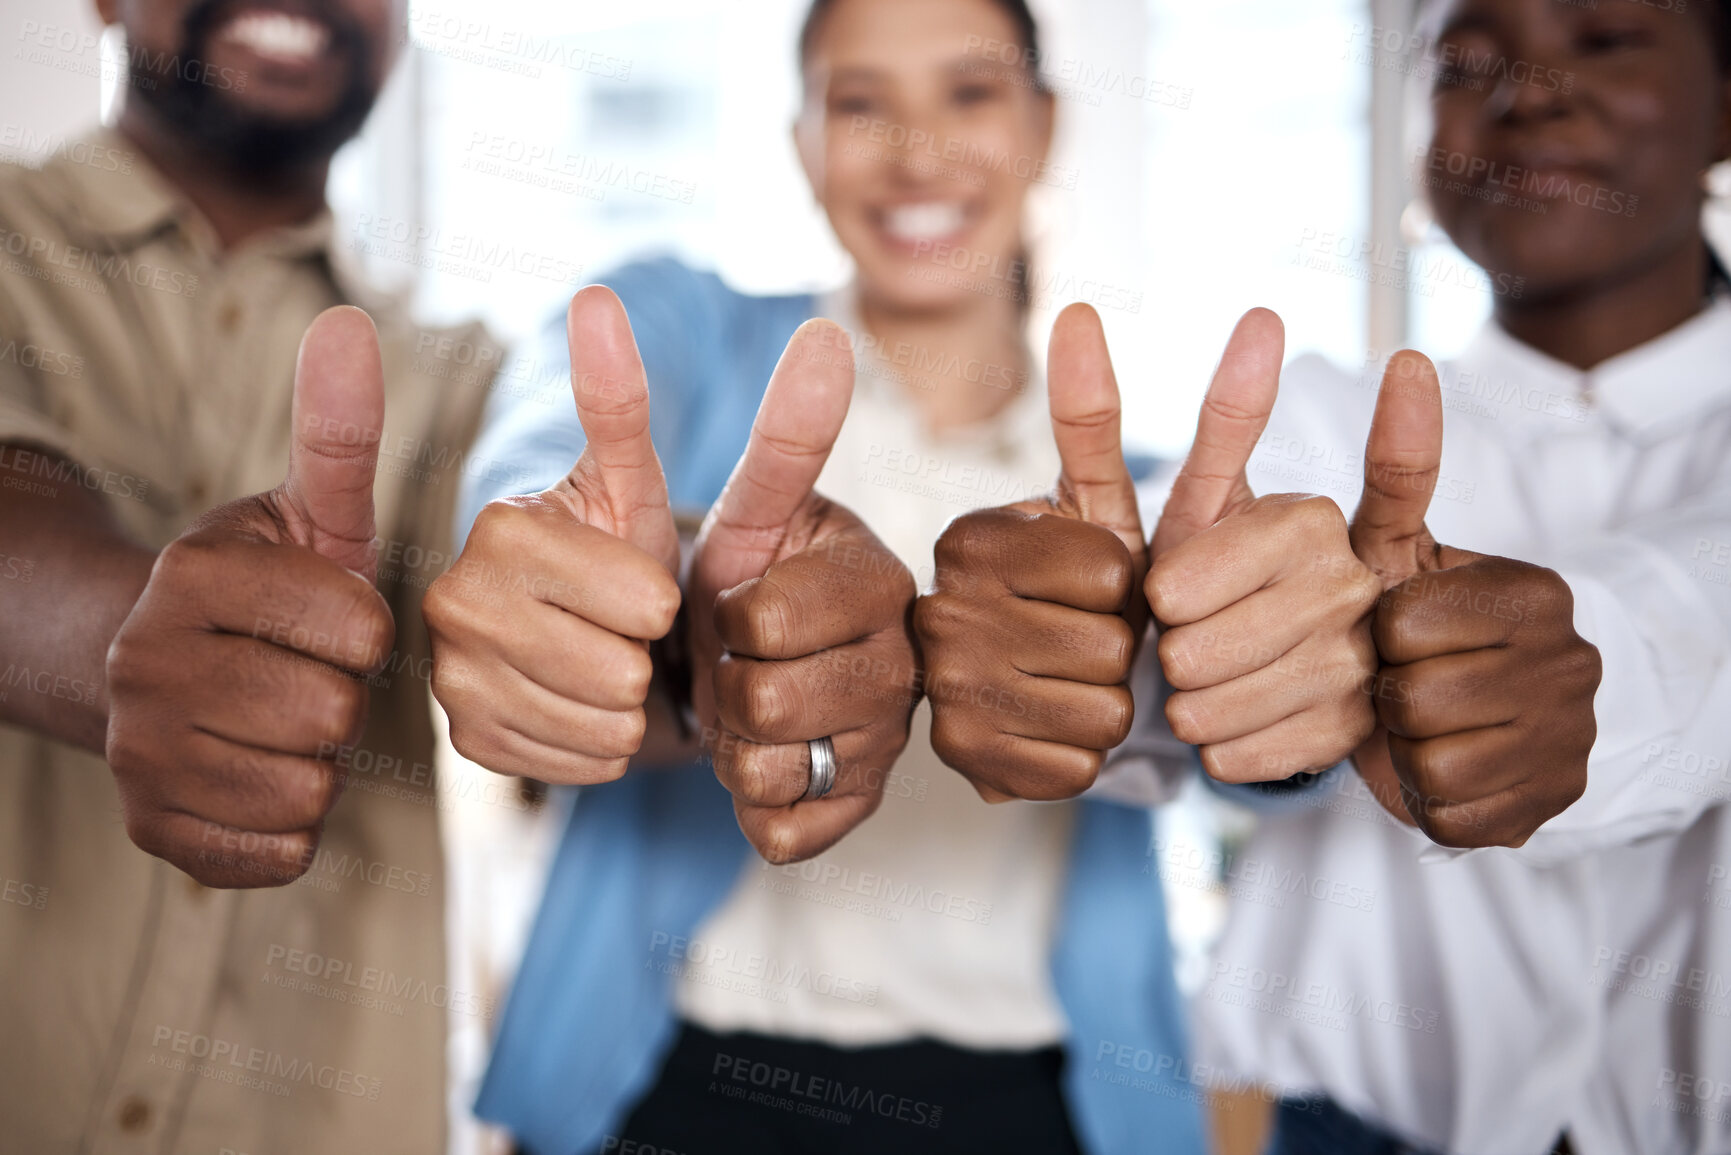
point(200, 106)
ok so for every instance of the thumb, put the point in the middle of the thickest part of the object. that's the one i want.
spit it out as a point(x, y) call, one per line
point(612, 393)
point(1402, 459)
point(1087, 425)
point(797, 425)
point(339, 417)
point(1234, 414)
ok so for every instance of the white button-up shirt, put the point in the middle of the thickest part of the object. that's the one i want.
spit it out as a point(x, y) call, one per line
point(1481, 1003)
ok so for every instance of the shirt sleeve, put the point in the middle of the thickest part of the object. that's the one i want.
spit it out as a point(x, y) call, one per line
point(23, 409)
point(531, 419)
point(1655, 598)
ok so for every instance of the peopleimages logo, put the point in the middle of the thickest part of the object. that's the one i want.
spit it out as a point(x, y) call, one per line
point(215, 1058)
point(797, 1086)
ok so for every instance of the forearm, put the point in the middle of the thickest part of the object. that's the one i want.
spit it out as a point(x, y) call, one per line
point(68, 579)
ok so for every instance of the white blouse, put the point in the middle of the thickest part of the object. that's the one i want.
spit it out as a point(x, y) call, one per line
point(936, 917)
point(1482, 1002)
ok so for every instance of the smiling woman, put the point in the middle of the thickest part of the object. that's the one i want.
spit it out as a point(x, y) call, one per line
point(896, 952)
point(1594, 116)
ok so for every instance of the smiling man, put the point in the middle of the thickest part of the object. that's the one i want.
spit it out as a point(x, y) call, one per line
point(202, 699)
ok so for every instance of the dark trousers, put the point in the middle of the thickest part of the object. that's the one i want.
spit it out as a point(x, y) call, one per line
point(1320, 1126)
point(752, 1095)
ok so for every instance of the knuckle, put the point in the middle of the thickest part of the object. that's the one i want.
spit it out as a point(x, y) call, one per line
point(503, 527)
point(321, 789)
point(939, 616)
point(1549, 594)
point(663, 601)
point(339, 710)
point(181, 563)
point(627, 731)
point(633, 673)
point(765, 704)
point(1117, 647)
point(1223, 767)
point(1395, 626)
point(1450, 830)
point(1427, 775)
point(1160, 588)
point(468, 741)
point(1318, 514)
point(1113, 573)
point(126, 660)
point(1120, 715)
point(1184, 715)
point(1180, 658)
point(1357, 721)
point(441, 608)
point(954, 741)
point(596, 772)
point(769, 618)
point(1066, 777)
point(367, 625)
point(968, 540)
point(1581, 666)
point(145, 830)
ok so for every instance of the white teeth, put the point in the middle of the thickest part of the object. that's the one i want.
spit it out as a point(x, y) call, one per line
point(279, 35)
point(926, 222)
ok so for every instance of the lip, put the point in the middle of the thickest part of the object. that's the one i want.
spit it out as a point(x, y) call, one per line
point(1548, 161)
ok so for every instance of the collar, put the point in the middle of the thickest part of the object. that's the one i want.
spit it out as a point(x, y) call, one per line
point(1647, 392)
point(1025, 416)
point(1671, 380)
point(121, 205)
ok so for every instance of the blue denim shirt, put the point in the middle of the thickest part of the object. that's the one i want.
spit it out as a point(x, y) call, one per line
point(591, 1016)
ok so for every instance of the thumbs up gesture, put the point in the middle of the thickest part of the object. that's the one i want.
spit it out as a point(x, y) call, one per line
point(1029, 633)
point(1263, 608)
point(1485, 696)
point(799, 621)
point(234, 682)
point(541, 629)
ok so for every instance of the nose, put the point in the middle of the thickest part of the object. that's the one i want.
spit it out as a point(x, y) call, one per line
point(1530, 91)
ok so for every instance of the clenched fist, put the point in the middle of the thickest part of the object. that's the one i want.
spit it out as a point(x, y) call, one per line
point(1032, 623)
point(541, 628)
point(1264, 611)
point(1486, 691)
point(799, 622)
point(236, 678)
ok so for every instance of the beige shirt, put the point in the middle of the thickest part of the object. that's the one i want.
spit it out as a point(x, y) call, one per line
point(936, 917)
point(141, 1011)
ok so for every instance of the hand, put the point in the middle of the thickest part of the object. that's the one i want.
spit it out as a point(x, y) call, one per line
point(1486, 691)
point(1031, 627)
point(799, 621)
point(541, 629)
point(233, 683)
point(1263, 609)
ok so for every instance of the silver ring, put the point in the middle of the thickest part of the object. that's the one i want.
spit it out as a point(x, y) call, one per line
point(822, 769)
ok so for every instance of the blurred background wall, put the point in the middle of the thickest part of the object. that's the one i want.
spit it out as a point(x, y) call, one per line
point(1221, 156)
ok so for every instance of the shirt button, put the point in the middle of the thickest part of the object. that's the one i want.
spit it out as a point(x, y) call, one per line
point(228, 317)
point(197, 492)
point(134, 1115)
